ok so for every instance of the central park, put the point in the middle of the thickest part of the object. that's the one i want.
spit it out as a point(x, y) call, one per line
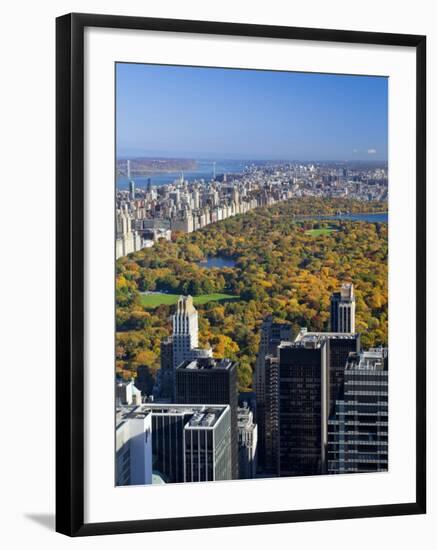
point(286, 260)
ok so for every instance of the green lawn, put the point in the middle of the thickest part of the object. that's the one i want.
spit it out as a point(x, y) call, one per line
point(318, 232)
point(151, 301)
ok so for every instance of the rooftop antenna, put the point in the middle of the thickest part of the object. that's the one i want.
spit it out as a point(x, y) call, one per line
point(128, 169)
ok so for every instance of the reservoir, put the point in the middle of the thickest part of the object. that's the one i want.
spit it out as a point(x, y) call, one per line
point(217, 262)
point(377, 217)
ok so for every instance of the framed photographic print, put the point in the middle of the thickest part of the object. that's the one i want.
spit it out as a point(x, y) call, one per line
point(240, 274)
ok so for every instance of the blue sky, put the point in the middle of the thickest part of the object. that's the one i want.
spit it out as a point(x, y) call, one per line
point(245, 114)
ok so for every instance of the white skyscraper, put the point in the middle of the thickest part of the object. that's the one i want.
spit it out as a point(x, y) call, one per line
point(182, 346)
point(196, 199)
point(185, 330)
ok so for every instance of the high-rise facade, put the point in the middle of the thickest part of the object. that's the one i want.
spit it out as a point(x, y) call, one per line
point(338, 347)
point(180, 347)
point(343, 309)
point(186, 333)
point(185, 330)
point(270, 438)
point(187, 442)
point(207, 445)
point(247, 443)
point(132, 190)
point(358, 428)
point(302, 407)
point(127, 240)
point(168, 425)
point(166, 372)
point(271, 335)
point(133, 447)
point(208, 380)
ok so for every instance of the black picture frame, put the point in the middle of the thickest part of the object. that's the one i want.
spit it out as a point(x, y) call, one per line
point(70, 273)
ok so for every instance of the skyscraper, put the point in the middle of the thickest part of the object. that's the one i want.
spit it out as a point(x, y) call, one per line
point(358, 428)
point(247, 443)
point(132, 190)
point(338, 347)
point(270, 463)
point(180, 347)
point(271, 335)
point(207, 445)
point(302, 407)
point(343, 309)
point(185, 336)
point(185, 330)
point(208, 380)
point(133, 446)
point(187, 442)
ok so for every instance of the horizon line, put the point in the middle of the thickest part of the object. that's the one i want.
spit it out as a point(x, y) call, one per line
point(235, 159)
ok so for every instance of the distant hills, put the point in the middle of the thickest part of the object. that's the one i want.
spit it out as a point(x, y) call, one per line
point(143, 165)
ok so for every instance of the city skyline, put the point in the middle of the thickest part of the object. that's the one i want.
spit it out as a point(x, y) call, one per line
point(251, 295)
point(192, 112)
point(307, 387)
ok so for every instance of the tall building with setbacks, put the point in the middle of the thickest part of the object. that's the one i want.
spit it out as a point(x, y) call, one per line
point(343, 309)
